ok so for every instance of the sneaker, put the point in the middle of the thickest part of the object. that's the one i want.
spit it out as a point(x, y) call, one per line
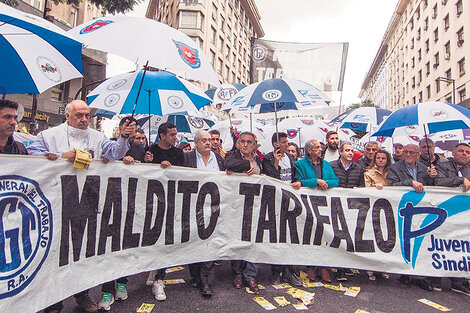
point(436, 284)
point(106, 300)
point(86, 303)
point(217, 263)
point(150, 278)
point(386, 275)
point(461, 288)
point(371, 275)
point(158, 290)
point(121, 293)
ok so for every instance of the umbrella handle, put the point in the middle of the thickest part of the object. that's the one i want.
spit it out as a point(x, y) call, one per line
point(140, 87)
point(427, 146)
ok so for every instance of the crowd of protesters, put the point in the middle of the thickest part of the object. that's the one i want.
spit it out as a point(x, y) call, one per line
point(334, 165)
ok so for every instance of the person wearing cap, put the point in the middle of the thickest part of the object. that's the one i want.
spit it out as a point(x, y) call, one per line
point(397, 152)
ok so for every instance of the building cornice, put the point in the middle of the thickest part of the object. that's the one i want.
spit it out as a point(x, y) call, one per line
point(253, 14)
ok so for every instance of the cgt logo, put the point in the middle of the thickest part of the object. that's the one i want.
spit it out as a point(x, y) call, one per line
point(411, 238)
point(272, 95)
point(25, 233)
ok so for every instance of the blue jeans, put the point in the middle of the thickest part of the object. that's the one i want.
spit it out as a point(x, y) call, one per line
point(248, 270)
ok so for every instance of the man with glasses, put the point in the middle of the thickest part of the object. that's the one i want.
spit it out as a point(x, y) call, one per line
point(244, 160)
point(216, 143)
point(410, 172)
point(203, 158)
point(369, 152)
point(8, 121)
point(455, 173)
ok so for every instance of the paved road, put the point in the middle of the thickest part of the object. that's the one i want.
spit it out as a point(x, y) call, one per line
point(381, 296)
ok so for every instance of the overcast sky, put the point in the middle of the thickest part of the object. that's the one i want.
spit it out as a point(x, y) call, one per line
point(362, 23)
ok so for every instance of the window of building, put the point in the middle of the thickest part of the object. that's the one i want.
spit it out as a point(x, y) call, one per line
point(460, 37)
point(420, 96)
point(227, 50)
point(198, 40)
point(462, 66)
point(428, 91)
point(221, 44)
point(412, 43)
point(413, 62)
point(426, 45)
point(436, 34)
point(428, 68)
point(418, 35)
point(233, 78)
point(459, 6)
point(219, 65)
point(213, 35)
point(462, 95)
point(444, 2)
point(449, 99)
point(214, 12)
point(434, 11)
point(449, 73)
point(446, 22)
point(191, 19)
point(227, 72)
point(222, 23)
point(229, 12)
point(420, 76)
point(413, 82)
point(414, 99)
point(425, 3)
point(436, 60)
point(73, 16)
point(212, 58)
point(426, 23)
point(418, 13)
point(419, 55)
point(438, 86)
point(412, 23)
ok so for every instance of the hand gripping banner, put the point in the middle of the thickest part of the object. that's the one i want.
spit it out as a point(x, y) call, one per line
point(115, 220)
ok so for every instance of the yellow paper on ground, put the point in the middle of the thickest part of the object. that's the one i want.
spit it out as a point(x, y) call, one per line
point(281, 301)
point(333, 287)
point(82, 159)
point(361, 311)
point(312, 285)
point(174, 281)
point(261, 287)
point(299, 306)
point(305, 296)
point(174, 269)
point(145, 308)
point(282, 286)
point(264, 303)
point(434, 305)
point(303, 277)
point(352, 291)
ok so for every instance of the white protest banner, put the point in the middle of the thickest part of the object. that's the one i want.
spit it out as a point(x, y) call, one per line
point(63, 230)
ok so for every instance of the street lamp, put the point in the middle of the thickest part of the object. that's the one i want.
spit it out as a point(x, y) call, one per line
point(449, 80)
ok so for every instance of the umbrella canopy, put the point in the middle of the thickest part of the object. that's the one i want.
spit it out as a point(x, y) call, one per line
point(141, 39)
point(302, 129)
point(184, 123)
point(362, 119)
point(277, 94)
point(162, 93)
point(35, 54)
point(223, 93)
point(436, 116)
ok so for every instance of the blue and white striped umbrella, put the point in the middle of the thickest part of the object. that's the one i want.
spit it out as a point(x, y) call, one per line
point(436, 116)
point(168, 94)
point(277, 94)
point(35, 54)
point(364, 118)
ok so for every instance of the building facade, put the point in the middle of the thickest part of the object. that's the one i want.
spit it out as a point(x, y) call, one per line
point(51, 103)
point(424, 51)
point(222, 28)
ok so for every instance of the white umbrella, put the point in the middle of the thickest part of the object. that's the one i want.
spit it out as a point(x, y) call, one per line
point(35, 54)
point(302, 129)
point(141, 39)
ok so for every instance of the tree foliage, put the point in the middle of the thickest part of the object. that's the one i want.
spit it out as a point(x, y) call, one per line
point(364, 103)
point(111, 6)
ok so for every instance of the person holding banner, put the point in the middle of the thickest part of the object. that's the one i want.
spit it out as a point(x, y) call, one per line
point(8, 122)
point(243, 159)
point(294, 150)
point(427, 154)
point(311, 171)
point(369, 151)
point(279, 164)
point(216, 143)
point(202, 157)
point(63, 140)
point(376, 174)
point(410, 172)
point(166, 154)
point(330, 151)
point(455, 173)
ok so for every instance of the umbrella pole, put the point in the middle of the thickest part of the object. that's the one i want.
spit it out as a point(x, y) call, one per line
point(275, 118)
point(251, 122)
point(300, 139)
point(150, 124)
point(427, 145)
point(140, 87)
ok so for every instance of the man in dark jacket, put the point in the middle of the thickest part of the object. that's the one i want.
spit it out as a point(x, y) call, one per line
point(8, 121)
point(455, 173)
point(350, 174)
point(410, 172)
point(204, 159)
point(426, 150)
point(244, 160)
point(280, 165)
point(369, 152)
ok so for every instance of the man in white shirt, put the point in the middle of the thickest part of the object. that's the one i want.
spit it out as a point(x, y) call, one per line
point(331, 152)
point(203, 158)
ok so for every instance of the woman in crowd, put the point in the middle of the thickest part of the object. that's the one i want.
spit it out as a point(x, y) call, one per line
point(185, 146)
point(376, 176)
point(294, 150)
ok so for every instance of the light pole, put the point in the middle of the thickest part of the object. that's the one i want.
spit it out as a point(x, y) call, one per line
point(449, 80)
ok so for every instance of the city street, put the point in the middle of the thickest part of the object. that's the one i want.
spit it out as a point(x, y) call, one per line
point(380, 296)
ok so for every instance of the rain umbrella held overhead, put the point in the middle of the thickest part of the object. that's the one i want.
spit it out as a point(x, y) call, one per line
point(35, 54)
point(144, 40)
point(303, 129)
point(363, 119)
